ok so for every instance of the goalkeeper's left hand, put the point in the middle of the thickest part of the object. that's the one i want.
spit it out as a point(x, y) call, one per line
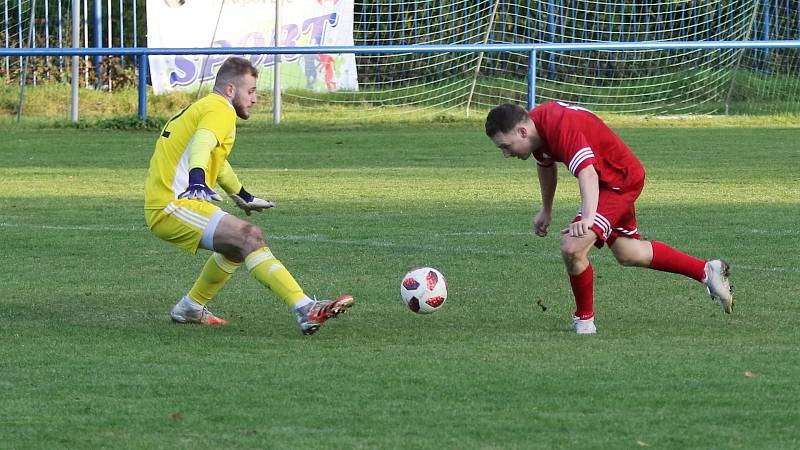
point(249, 203)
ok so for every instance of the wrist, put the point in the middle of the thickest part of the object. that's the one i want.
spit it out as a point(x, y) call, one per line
point(197, 176)
point(246, 196)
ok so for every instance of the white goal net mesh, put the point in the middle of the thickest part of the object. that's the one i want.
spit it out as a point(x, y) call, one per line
point(732, 81)
point(707, 81)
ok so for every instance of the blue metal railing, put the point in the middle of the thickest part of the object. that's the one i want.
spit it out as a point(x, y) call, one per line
point(393, 22)
point(381, 22)
point(531, 49)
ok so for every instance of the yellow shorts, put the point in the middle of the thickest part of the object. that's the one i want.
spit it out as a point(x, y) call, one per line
point(189, 224)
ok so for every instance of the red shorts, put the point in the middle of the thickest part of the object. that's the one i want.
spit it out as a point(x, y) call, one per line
point(616, 214)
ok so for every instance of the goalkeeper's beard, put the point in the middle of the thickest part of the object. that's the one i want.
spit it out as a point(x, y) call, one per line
point(241, 110)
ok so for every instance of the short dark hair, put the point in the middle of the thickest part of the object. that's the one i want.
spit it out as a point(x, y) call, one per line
point(503, 118)
point(233, 69)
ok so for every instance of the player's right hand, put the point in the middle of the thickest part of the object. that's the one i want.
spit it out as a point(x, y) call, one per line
point(199, 191)
point(579, 228)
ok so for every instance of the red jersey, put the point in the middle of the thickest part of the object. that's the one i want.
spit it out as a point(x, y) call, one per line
point(325, 59)
point(576, 137)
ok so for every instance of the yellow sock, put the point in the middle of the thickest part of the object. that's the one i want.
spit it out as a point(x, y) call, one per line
point(215, 274)
point(265, 268)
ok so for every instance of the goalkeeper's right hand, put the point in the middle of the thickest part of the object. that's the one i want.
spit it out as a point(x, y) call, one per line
point(197, 189)
point(249, 203)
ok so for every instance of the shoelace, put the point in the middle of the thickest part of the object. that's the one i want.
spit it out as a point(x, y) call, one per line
point(204, 313)
point(318, 308)
point(322, 309)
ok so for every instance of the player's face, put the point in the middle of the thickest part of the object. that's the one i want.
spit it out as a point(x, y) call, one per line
point(244, 96)
point(514, 144)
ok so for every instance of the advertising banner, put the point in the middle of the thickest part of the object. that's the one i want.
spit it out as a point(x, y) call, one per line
point(251, 23)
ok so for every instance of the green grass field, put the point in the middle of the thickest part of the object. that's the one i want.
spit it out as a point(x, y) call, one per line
point(90, 359)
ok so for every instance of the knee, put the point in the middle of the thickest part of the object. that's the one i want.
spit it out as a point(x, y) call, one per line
point(571, 251)
point(253, 237)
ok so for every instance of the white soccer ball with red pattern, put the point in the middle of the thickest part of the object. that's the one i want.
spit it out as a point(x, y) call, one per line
point(424, 290)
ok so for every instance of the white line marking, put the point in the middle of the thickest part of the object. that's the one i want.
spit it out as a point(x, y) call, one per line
point(71, 227)
point(382, 243)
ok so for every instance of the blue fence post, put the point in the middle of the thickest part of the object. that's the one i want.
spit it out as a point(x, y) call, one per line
point(60, 36)
point(121, 30)
point(551, 32)
point(532, 79)
point(47, 37)
point(5, 33)
point(143, 86)
point(20, 38)
point(98, 41)
point(135, 37)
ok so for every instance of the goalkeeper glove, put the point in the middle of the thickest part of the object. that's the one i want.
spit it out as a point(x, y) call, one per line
point(198, 190)
point(248, 202)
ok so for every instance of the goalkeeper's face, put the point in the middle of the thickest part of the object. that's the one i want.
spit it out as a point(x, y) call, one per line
point(244, 96)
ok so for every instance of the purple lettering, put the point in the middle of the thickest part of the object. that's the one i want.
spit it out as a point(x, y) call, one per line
point(254, 39)
point(291, 32)
point(268, 60)
point(211, 62)
point(317, 26)
point(185, 71)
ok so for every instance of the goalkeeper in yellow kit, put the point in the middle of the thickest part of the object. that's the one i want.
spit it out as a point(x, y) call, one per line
point(190, 157)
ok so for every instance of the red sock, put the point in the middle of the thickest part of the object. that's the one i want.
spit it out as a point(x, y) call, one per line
point(667, 259)
point(583, 290)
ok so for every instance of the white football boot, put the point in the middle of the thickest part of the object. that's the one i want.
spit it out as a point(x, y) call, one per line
point(189, 311)
point(717, 283)
point(584, 326)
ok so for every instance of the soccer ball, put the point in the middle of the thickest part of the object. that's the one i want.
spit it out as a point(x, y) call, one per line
point(423, 290)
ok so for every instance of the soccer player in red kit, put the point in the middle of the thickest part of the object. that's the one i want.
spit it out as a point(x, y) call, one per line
point(326, 61)
point(610, 178)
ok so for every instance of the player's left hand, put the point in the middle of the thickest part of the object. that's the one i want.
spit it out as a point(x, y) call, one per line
point(249, 203)
point(579, 228)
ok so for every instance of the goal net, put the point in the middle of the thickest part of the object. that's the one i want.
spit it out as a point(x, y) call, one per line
point(706, 81)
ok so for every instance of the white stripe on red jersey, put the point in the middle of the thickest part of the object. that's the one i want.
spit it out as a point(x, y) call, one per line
point(580, 156)
point(603, 223)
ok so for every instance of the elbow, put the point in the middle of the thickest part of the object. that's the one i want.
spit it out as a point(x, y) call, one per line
point(588, 173)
